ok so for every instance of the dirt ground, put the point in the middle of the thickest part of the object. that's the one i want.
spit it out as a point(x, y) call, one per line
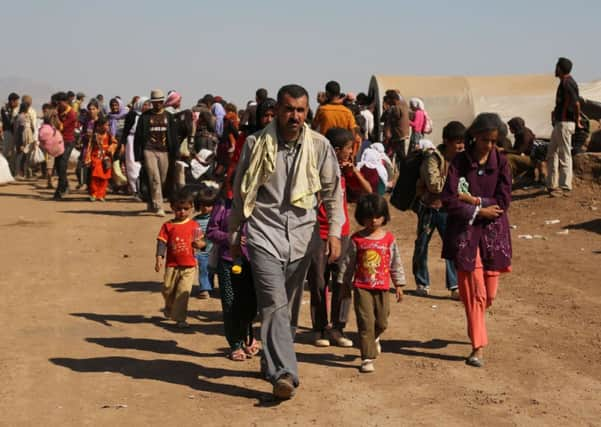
point(84, 343)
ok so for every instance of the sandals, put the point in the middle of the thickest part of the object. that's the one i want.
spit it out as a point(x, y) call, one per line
point(238, 355)
point(252, 349)
point(474, 361)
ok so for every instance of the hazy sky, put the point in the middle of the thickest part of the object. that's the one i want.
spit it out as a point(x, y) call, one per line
point(230, 48)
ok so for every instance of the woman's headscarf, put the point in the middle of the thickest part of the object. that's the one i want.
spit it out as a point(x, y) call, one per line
point(172, 99)
point(372, 159)
point(416, 104)
point(139, 104)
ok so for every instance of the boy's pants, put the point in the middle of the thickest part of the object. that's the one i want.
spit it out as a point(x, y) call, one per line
point(176, 291)
point(371, 309)
point(320, 276)
point(205, 277)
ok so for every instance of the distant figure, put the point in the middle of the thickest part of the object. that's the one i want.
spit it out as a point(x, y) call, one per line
point(565, 120)
point(333, 114)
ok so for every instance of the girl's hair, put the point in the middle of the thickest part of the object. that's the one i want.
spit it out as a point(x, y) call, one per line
point(101, 121)
point(484, 122)
point(339, 137)
point(207, 194)
point(93, 102)
point(370, 206)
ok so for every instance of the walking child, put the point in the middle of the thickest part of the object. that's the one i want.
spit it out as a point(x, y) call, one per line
point(100, 152)
point(203, 204)
point(371, 262)
point(236, 285)
point(176, 242)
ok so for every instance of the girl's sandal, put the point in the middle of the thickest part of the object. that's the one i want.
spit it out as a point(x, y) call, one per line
point(238, 355)
point(252, 349)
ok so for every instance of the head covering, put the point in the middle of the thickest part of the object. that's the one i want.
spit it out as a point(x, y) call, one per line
point(416, 104)
point(173, 99)
point(425, 144)
point(139, 104)
point(156, 95)
point(372, 159)
point(350, 96)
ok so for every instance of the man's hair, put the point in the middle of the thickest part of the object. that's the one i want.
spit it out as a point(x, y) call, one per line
point(333, 88)
point(453, 130)
point(61, 96)
point(13, 97)
point(99, 96)
point(261, 94)
point(70, 94)
point(207, 99)
point(183, 195)
point(80, 95)
point(339, 137)
point(370, 206)
point(564, 65)
point(292, 90)
point(392, 95)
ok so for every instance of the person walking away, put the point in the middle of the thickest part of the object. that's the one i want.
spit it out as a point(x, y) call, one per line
point(281, 170)
point(132, 167)
point(477, 195)
point(417, 122)
point(565, 119)
point(333, 113)
point(430, 212)
point(176, 242)
point(372, 261)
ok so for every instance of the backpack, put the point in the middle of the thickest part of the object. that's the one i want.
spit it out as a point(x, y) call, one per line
point(427, 123)
point(404, 191)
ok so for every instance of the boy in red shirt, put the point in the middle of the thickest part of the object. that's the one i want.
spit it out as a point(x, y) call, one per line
point(177, 240)
point(322, 275)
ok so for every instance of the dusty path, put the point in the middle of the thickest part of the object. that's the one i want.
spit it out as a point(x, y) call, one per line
point(82, 331)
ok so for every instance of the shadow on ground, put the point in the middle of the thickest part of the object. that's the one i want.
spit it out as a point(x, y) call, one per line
point(593, 226)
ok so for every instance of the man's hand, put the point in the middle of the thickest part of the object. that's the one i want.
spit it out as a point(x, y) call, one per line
point(158, 264)
point(333, 249)
point(490, 212)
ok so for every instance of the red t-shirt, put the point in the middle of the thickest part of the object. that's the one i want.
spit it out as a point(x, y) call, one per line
point(373, 262)
point(178, 237)
point(322, 216)
point(69, 122)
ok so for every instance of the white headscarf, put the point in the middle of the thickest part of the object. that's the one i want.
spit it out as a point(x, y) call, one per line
point(425, 144)
point(139, 104)
point(416, 104)
point(379, 147)
point(373, 160)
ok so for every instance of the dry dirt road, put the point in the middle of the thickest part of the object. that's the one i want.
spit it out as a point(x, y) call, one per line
point(83, 342)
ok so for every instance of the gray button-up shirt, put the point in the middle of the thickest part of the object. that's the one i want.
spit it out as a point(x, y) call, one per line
point(275, 225)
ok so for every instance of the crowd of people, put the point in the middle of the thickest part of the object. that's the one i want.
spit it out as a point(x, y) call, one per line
point(260, 198)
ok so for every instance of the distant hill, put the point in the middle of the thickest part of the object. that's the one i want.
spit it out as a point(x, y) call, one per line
point(39, 91)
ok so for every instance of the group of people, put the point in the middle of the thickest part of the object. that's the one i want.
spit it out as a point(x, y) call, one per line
point(260, 198)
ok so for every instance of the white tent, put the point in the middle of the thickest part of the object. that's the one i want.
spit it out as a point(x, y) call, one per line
point(447, 98)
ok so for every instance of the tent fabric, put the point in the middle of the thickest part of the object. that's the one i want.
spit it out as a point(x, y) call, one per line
point(447, 98)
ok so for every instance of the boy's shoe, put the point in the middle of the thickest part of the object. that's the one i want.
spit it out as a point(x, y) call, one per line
point(92, 198)
point(204, 295)
point(183, 324)
point(102, 199)
point(283, 388)
point(321, 340)
point(422, 291)
point(339, 339)
point(455, 294)
point(367, 365)
point(161, 212)
point(378, 346)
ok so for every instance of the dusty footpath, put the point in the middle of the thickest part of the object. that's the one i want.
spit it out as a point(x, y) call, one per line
point(84, 343)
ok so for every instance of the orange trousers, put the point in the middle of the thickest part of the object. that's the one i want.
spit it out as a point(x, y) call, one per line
point(477, 290)
point(98, 187)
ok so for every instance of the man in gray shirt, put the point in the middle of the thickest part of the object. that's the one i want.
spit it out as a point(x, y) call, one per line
point(281, 231)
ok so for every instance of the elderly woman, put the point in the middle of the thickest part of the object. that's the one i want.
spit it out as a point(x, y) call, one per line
point(476, 195)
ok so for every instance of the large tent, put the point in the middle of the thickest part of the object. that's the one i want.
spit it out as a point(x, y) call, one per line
point(461, 98)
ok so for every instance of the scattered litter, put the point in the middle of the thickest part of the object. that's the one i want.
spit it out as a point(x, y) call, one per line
point(537, 236)
point(552, 221)
point(581, 249)
point(513, 227)
point(125, 256)
point(526, 187)
point(594, 208)
point(434, 307)
point(526, 236)
point(191, 396)
point(116, 406)
point(563, 232)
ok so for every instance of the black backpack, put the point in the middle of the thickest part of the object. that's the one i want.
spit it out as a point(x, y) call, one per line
point(404, 191)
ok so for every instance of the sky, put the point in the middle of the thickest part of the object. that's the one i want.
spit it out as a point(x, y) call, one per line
point(231, 48)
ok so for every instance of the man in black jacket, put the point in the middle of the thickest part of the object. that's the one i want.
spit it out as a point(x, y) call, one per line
point(156, 147)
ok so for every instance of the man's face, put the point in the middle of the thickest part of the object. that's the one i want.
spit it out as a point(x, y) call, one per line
point(157, 105)
point(114, 107)
point(291, 113)
point(557, 71)
point(14, 103)
point(62, 105)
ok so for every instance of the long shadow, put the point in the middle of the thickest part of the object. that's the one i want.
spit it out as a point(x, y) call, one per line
point(140, 286)
point(517, 197)
point(413, 293)
point(404, 347)
point(330, 359)
point(170, 371)
point(593, 226)
point(206, 316)
point(144, 344)
point(24, 196)
point(161, 322)
point(104, 213)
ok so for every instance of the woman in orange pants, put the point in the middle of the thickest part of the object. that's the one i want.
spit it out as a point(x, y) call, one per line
point(100, 151)
point(477, 195)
